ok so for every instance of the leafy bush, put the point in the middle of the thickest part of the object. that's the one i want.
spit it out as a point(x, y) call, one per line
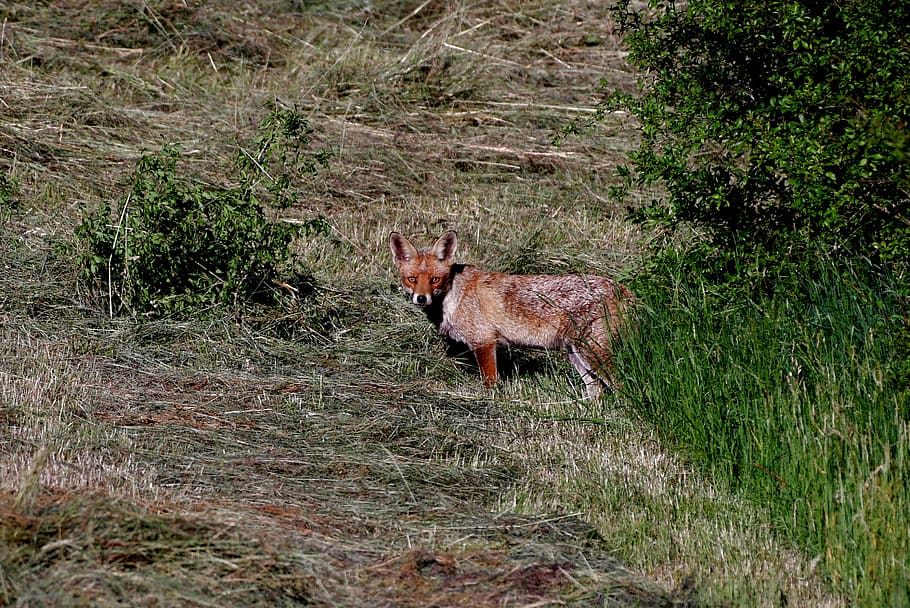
point(777, 131)
point(174, 246)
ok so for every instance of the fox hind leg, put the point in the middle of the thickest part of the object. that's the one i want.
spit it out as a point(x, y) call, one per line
point(595, 383)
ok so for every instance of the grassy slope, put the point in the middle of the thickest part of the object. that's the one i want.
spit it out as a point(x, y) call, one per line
point(336, 455)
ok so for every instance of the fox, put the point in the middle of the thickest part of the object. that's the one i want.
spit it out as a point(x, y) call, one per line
point(582, 314)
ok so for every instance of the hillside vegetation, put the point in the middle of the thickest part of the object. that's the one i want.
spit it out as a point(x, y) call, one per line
point(775, 351)
point(327, 449)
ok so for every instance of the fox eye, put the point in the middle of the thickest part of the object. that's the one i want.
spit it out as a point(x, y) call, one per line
point(412, 279)
point(435, 280)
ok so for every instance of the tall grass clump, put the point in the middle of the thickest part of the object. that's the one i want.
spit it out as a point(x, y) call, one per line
point(799, 400)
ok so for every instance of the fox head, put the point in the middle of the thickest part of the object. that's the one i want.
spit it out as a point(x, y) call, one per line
point(425, 273)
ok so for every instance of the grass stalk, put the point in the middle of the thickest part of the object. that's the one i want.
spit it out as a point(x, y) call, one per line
point(800, 402)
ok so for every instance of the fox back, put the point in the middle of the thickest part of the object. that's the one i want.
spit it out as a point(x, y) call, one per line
point(581, 314)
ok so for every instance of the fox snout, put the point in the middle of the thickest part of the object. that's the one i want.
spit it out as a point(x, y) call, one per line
point(419, 299)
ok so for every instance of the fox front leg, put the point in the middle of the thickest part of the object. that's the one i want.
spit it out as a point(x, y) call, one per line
point(486, 361)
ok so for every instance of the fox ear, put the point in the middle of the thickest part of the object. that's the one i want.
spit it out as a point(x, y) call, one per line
point(445, 246)
point(402, 248)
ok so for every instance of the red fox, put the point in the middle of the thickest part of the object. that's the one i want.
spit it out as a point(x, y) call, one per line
point(581, 314)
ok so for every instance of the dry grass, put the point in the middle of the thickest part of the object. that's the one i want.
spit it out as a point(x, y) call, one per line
point(132, 478)
point(332, 453)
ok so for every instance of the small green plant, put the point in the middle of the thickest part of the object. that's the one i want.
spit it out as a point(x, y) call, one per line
point(175, 247)
point(9, 193)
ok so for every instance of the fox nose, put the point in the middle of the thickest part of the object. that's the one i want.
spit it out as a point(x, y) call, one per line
point(420, 299)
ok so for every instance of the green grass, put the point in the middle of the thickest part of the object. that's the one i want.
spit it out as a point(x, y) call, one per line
point(800, 401)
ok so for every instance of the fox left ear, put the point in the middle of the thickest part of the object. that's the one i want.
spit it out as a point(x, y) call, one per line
point(445, 246)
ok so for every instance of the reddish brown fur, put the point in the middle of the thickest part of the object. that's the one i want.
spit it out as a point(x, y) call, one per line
point(582, 314)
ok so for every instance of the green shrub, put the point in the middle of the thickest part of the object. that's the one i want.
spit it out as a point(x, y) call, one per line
point(175, 246)
point(802, 402)
point(776, 131)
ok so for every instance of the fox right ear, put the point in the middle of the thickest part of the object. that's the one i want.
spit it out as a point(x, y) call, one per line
point(402, 249)
point(445, 246)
